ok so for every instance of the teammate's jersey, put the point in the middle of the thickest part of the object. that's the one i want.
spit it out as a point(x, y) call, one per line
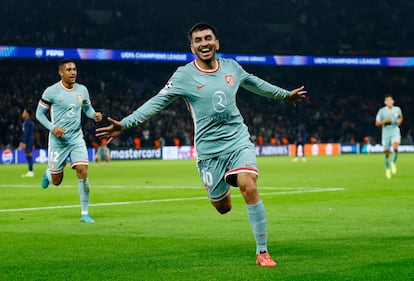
point(395, 113)
point(211, 98)
point(65, 107)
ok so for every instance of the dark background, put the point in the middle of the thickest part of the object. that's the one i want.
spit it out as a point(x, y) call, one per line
point(342, 101)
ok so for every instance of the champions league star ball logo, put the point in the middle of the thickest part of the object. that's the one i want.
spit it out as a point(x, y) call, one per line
point(7, 156)
point(168, 85)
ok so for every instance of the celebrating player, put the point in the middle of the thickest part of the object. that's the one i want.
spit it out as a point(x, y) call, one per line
point(390, 118)
point(226, 157)
point(66, 100)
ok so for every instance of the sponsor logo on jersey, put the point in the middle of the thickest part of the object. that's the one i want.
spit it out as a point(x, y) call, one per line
point(200, 87)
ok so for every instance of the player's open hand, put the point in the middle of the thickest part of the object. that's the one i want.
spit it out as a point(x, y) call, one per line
point(297, 95)
point(110, 132)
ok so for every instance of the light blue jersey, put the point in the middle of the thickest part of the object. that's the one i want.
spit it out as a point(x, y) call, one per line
point(390, 132)
point(211, 99)
point(65, 106)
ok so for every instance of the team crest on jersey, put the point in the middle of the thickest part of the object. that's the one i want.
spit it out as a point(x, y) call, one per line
point(79, 98)
point(229, 80)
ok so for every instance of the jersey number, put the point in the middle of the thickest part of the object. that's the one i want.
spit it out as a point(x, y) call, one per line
point(207, 177)
point(54, 156)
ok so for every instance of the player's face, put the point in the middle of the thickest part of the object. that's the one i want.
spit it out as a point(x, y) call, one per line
point(389, 101)
point(25, 115)
point(204, 45)
point(68, 74)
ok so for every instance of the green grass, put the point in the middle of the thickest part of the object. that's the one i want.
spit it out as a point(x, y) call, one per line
point(364, 231)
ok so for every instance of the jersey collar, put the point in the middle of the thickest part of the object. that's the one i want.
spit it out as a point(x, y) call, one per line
point(207, 71)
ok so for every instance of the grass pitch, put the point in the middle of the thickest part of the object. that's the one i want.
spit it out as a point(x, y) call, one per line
point(332, 218)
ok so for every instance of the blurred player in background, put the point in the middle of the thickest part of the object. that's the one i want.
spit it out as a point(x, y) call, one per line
point(103, 153)
point(300, 140)
point(389, 118)
point(226, 157)
point(66, 100)
point(27, 140)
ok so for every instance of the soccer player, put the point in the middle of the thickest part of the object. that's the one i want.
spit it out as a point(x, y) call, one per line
point(300, 140)
point(27, 140)
point(389, 118)
point(103, 153)
point(66, 100)
point(226, 157)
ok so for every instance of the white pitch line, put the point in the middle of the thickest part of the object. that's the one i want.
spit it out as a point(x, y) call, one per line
point(315, 190)
point(154, 187)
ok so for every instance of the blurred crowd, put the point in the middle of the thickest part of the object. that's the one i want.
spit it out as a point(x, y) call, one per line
point(341, 106)
point(342, 102)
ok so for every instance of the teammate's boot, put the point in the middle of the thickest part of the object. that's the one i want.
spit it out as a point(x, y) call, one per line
point(388, 173)
point(264, 259)
point(44, 183)
point(87, 218)
point(393, 168)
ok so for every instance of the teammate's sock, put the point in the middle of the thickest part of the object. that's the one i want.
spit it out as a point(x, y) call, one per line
point(30, 162)
point(387, 162)
point(83, 189)
point(49, 175)
point(394, 157)
point(257, 219)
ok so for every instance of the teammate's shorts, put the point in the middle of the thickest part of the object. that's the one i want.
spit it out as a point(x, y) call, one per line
point(219, 173)
point(388, 138)
point(102, 155)
point(59, 152)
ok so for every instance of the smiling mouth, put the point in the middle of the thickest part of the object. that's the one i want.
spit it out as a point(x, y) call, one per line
point(205, 51)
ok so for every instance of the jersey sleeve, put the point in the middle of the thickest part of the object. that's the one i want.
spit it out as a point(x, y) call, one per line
point(87, 107)
point(43, 107)
point(378, 116)
point(171, 91)
point(400, 115)
point(259, 86)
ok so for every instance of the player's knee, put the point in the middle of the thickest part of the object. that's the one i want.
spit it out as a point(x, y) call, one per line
point(223, 209)
point(81, 171)
point(57, 180)
point(223, 206)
